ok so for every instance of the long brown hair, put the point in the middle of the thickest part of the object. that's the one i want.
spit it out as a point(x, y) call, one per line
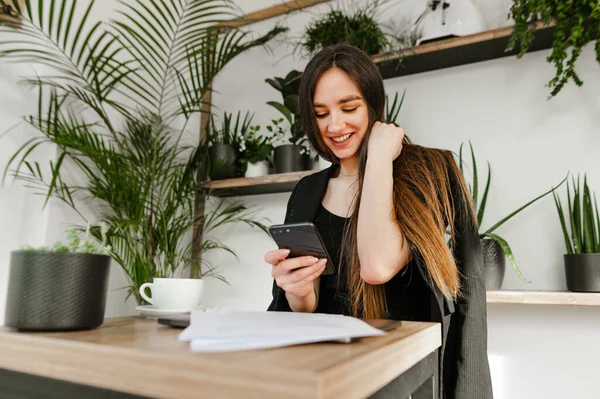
point(427, 186)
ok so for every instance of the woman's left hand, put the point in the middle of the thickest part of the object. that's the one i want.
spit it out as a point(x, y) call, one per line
point(386, 140)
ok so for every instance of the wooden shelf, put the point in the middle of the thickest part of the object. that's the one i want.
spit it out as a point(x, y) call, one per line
point(275, 183)
point(544, 298)
point(271, 12)
point(457, 51)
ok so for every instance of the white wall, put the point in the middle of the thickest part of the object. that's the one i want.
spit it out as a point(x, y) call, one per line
point(501, 106)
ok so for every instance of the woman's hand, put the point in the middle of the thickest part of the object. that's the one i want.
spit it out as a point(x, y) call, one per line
point(295, 276)
point(386, 140)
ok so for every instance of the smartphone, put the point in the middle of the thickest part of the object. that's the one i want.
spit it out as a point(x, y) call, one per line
point(302, 239)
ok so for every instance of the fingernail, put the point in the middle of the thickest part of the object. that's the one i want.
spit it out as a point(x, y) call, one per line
point(312, 261)
point(284, 252)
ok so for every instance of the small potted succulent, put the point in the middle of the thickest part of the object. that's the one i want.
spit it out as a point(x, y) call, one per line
point(582, 260)
point(255, 152)
point(62, 287)
point(224, 145)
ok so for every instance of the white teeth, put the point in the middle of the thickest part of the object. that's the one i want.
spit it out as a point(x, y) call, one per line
point(341, 139)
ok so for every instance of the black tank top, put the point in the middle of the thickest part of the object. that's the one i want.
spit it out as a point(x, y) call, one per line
point(407, 293)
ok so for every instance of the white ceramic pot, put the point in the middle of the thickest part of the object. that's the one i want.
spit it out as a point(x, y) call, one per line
point(257, 169)
point(459, 18)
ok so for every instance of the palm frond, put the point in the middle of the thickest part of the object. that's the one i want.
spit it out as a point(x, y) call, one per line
point(168, 40)
point(73, 49)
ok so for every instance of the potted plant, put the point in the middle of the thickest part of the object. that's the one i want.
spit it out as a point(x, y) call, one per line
point(116, 101)
point(577, 24)
point(62, 287)
point(495, 248)
point(582, 260)
point(255, 152)
point(358, 28)
point(224, 145)
point(294, 156)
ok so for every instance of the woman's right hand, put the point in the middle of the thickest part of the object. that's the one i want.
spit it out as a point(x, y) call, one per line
point(296, 275)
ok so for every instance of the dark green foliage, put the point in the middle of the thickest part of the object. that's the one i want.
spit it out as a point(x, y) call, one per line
point(577, 24)
point(359, 29)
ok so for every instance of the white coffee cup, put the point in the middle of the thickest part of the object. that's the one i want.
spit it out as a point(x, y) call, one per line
point(177, 294)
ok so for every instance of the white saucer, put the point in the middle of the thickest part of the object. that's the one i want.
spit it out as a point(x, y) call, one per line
point(153, 311)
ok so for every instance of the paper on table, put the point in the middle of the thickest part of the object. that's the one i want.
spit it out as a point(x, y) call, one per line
point(244, 330)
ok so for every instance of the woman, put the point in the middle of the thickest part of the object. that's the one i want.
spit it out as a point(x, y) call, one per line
point(383, 209)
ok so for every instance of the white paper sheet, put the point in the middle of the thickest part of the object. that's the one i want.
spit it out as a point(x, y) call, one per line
point(248, 330)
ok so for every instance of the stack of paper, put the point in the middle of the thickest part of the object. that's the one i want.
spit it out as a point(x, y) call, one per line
point(247, 330)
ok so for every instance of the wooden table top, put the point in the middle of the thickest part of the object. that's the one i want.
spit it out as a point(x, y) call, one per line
point(139, 356)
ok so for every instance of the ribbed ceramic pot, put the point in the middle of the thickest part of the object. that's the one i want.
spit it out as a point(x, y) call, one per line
point(56, 291)
point(223, 160)
point(494, 262)
point(288, 158)
point(582, 272)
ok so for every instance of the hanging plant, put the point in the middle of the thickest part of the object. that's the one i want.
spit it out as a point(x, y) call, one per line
point(577, 24)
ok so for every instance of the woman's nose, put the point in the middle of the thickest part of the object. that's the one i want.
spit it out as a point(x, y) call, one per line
point(336, 123)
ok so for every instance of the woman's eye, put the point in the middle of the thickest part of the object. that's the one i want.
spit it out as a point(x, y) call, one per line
point(350, 110)
point(320, 116)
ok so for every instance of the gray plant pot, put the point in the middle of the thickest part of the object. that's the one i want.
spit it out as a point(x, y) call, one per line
point(54, 291)
point(494, 262)
point(288, 158)
point(582, 272)
point(223, 160)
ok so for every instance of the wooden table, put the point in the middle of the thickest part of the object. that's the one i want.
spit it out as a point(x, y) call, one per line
point(135, 357)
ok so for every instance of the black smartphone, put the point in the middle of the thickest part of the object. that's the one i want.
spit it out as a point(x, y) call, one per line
point(302, 239)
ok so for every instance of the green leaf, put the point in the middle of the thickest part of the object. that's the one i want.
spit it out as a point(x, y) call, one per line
point(508, 252)
point(393, 110)
point(275, 84)
point(504, 220)
point(589, 232)
point(561, 216)
point(283, 109)
point(475, 179)
point(597, 241)
point(291, 103)
point(460, 160)
point(55, 169)
point(481, 211)
point(576, 225)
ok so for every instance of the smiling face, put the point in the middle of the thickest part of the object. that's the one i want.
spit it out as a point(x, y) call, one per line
point(341, 112)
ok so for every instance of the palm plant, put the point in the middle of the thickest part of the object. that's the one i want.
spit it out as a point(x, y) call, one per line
point(480, 207)
point(116, 103)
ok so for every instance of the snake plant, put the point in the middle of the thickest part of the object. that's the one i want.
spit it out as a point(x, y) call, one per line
point(582, 217)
